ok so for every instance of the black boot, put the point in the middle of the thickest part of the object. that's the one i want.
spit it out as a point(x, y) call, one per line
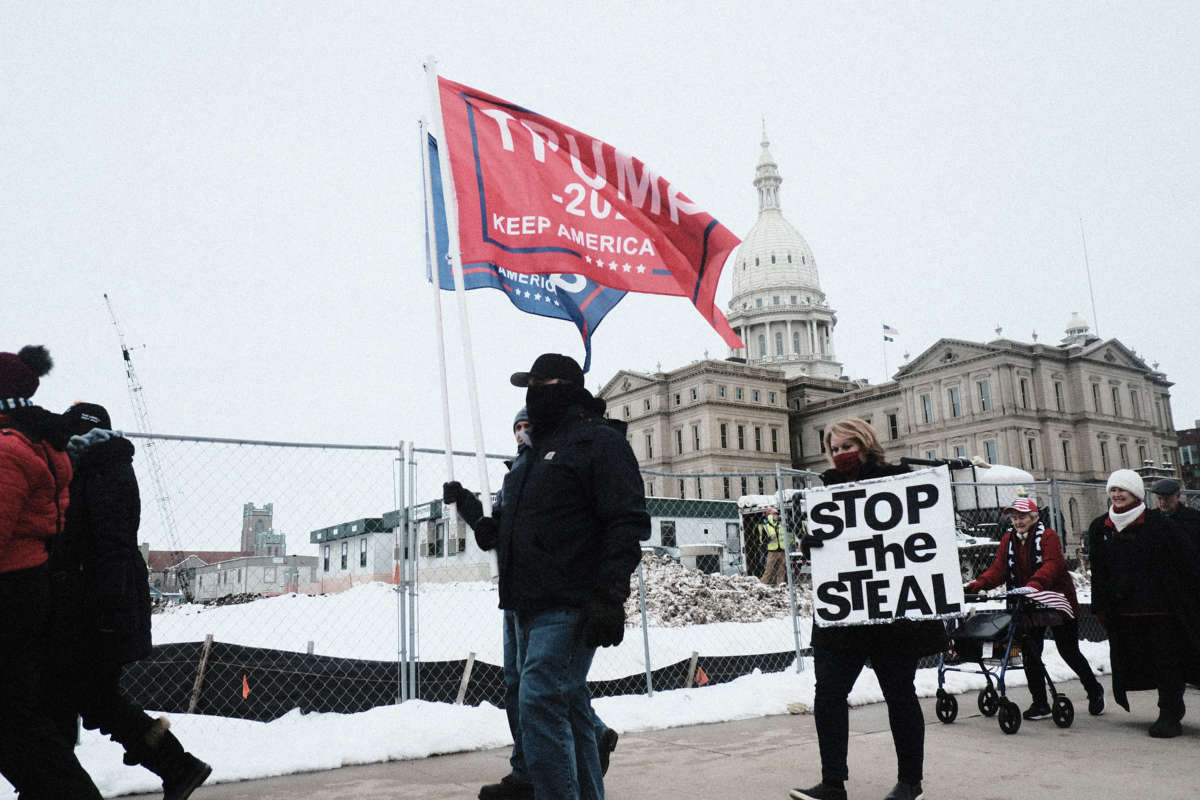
point(160, 752)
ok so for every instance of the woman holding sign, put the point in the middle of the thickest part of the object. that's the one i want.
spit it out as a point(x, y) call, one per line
point(1030, 555)
point(894, 648)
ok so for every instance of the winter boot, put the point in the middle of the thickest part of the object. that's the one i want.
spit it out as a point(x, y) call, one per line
point(825, 790)
point(509, 788)
point(906, 791)
point(160, 752)
point(607, 743)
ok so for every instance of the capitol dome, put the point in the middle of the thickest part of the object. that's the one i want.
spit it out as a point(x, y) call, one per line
point(773, 253)
point(777, 307)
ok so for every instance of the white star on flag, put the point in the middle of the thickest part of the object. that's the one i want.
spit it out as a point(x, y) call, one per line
point(612, 265)
point(627, 267)
point(641, 268)
point(537, 296)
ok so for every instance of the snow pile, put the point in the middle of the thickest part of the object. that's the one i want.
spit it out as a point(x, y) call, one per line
point(677, 597)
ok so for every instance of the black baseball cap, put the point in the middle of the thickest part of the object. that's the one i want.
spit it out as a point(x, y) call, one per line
point(551, 365)
point(82, 417)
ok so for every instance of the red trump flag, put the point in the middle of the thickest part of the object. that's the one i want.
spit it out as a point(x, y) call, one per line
point(535, 196)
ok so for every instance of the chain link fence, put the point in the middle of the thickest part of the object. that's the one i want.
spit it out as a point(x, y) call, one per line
point(329, 577)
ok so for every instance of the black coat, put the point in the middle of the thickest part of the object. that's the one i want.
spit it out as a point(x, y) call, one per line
point(1152, 566)
point(901, 637)
point(99, 578)
point(572, 518)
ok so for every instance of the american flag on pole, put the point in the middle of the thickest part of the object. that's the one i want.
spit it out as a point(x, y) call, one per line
point(536, 197)
point(889, 333)
point(1056, 601)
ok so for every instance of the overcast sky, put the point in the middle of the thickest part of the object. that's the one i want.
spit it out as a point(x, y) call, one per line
point(243, 180)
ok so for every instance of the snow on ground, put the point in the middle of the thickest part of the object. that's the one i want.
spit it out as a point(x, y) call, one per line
point(462, 617)
point(241, 750)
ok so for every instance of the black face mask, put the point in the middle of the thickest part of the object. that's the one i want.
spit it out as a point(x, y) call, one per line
point(547, 403)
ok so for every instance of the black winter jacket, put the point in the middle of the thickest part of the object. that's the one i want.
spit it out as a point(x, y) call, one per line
point(100, 585)
point(902, 637)
point(573, 515)
point(1150, 567)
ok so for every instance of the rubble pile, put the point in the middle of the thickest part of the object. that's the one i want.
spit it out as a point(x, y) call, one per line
point(676, 597)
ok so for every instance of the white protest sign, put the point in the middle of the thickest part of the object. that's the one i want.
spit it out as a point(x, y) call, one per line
point(889, 550)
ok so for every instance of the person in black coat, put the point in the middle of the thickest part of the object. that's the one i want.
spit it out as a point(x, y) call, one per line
point(100, 599)
point(1145, 572)
point(894, 648)
point(567, 539)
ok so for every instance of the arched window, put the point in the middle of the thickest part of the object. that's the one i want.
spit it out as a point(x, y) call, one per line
point(762, 345)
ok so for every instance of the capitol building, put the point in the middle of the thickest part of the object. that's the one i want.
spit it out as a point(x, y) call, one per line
point(1075, 410)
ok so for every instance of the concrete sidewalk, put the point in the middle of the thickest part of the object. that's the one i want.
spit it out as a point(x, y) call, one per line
point(971, 759)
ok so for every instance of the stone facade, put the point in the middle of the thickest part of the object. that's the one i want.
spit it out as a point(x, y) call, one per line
point(707, 417)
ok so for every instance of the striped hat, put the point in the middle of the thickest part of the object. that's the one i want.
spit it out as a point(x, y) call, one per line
point(1022, 505)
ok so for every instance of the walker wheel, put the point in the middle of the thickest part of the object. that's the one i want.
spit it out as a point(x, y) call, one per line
point(1009, 717)
point(1064, 711)
point(947, 708)
point(989, 702)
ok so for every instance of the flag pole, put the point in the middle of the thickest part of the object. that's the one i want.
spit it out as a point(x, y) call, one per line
point(450, 200)
point(431, 261)
point(885, 369)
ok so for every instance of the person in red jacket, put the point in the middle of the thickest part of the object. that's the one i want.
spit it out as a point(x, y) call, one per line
point(1031, 555)
point(35, 474)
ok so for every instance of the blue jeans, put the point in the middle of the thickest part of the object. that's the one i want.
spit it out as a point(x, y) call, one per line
point(513, 659)
point(558, 735)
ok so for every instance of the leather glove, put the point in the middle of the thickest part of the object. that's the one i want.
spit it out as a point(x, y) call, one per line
point(486, 533)
point(603, 622)
point(469, 507)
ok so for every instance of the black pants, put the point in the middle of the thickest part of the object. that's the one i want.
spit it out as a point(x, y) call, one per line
point(33, 756)
point(96, 696)
point(81, 679)
point(1066, 639)
point(837, 670)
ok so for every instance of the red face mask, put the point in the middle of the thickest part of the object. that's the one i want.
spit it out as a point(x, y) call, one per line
point(847, 463)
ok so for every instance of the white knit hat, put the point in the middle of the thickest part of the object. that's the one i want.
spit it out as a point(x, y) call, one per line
point(1128, 480)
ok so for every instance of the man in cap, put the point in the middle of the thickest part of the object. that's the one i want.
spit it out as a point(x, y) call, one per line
point(1173, 508)
point(567, 540)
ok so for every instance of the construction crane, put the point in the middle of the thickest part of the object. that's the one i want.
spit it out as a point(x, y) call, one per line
point(141, 413)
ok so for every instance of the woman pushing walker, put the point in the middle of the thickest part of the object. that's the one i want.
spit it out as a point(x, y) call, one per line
point(1030, 555)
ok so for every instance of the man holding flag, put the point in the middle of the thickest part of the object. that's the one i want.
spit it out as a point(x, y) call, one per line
point(568, 536)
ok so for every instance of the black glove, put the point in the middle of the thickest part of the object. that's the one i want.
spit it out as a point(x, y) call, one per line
point(603, 622)
point(811, 541)
point(469, 507)
point(486, 533)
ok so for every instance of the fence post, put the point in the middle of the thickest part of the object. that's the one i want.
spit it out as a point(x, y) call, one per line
point(645, 631)
point(466, 679)
point(787, 568)
point(413, 660)
point(691, 673)
point(198, 684)
point(399, 571)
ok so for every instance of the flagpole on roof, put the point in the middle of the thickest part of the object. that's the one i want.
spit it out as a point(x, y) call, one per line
point(450, 199)
point(431, 251)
